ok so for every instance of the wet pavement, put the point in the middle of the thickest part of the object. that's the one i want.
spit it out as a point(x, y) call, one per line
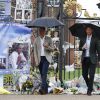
point(49, 97)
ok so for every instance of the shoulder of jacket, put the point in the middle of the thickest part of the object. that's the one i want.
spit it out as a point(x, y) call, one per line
point(14, 53)
point(47, 37)
point(95, 38)
point(82, 39)
point(37, 38)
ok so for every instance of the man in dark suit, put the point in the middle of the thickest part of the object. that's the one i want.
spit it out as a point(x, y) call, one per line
point(91, 48)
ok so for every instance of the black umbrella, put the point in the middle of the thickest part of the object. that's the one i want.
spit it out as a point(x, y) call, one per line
point(78, 29)
point(45, 22)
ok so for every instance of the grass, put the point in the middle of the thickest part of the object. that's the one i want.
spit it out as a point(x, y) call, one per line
point(71, 75)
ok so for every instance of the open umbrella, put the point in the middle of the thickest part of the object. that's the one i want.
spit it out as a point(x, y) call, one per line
point(78, 29)
point(45, 22)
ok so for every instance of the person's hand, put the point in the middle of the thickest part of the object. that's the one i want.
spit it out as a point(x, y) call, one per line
point(99, 63)
point(46, 45)
point(85, 46)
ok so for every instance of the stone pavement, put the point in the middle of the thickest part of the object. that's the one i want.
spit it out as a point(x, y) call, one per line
point(49, 97)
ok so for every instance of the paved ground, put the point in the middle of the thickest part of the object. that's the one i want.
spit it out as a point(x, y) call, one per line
point(49, 97)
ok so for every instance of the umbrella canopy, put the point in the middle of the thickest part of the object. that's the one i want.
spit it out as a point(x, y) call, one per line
point(45, 22)
point(78, 29)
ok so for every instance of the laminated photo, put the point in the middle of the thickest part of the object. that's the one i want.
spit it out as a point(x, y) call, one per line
point(18, 14)
point(18, 55)
point(27, 14)
point(3, 63)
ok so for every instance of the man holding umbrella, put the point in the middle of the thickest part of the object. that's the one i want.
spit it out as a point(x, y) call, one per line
point(43, 47)
point(91, 48)
point(42, 53)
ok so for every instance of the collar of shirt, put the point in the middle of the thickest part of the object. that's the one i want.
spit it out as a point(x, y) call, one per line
point(88, 40)
point(42, 38)
point(42, 47)
point(89, 37)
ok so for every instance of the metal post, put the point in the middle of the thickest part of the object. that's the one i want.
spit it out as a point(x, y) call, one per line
point(61, 58)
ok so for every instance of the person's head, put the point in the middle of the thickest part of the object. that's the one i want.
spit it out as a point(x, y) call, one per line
point(56, 34)
point(42, 31)
point(19, 49)
point(89, 30)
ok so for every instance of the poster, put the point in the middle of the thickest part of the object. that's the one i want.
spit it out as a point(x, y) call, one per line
point(77, 59)
point(5, 7)
point(18, 56)
point(13, 35)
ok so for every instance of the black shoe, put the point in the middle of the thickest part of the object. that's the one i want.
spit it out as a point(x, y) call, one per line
point(89, 93)
point(42, 92)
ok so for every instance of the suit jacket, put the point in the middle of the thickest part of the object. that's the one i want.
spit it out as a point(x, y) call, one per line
point(47, 51)
point(94, 49)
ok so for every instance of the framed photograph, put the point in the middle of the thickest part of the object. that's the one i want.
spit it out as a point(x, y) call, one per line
point(3, 63)
point(18, 56)
point(24, 4)
point(18, 14)
point(27, 14)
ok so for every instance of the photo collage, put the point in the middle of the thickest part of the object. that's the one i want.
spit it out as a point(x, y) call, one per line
point(23, 10)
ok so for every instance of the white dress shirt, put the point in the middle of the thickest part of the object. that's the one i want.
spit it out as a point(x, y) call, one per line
point(88, 41)
point(42, 47)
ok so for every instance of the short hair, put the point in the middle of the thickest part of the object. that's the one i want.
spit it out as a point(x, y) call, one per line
point(89, 27)
point(42, 28)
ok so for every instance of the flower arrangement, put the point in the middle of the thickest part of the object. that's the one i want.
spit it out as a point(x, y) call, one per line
point(71, 6)
point(28, 85)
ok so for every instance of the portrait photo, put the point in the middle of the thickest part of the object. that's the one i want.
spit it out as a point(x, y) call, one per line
point(27, 14)
point(3, 63)
point(18, 14)
point(18, 56)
